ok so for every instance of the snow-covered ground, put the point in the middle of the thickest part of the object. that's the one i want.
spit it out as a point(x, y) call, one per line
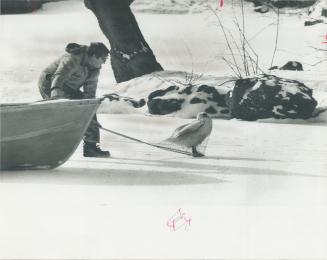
point(260, 192)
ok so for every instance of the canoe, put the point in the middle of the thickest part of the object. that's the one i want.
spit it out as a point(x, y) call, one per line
point(42, 135)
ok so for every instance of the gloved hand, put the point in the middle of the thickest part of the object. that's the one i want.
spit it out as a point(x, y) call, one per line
point(57, 93)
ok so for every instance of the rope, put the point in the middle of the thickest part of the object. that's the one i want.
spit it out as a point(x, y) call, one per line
point(143, 142)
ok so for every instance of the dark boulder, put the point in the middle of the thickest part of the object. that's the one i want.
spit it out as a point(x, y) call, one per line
point(268, 96)
point(292, 65)
point(199, 98)
point(158, 106)
point(130, 101)
point(19, 6)
point(324, 12)
point(284, 3)
point(293, 3)
point(273, 68)
point(313, 22)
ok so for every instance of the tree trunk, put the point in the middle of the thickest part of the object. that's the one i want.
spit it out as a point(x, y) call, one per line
point(131, 56)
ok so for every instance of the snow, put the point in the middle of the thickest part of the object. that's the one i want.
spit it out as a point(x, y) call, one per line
point(261, 191)
point(251, 193)
point(141, 87)
point(315, 12)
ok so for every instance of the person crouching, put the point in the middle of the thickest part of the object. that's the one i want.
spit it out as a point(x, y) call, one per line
point(78, 68)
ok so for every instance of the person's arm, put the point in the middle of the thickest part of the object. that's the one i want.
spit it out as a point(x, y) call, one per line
point(67, 66)
point(91, 84)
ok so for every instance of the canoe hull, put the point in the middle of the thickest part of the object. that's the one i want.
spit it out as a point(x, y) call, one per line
point(43, 134)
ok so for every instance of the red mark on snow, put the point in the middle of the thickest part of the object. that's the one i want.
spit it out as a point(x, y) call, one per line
point(221, 3)
point(179, 220)
point(325, 38)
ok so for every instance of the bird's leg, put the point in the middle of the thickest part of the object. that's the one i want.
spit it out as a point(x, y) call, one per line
point(195, 153)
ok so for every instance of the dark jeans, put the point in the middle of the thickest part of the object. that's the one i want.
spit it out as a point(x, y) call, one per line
point(92, 134)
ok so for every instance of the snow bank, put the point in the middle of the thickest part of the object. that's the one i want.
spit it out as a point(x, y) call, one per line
point(141, 87)
point(183, 43)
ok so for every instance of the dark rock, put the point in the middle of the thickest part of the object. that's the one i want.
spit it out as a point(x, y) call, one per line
point(175, 98)
point(131, 101)
point(196, 100)
point(160, 106)
point(162, 92)
point(211, 110)
point(135, 103)
point(214, 95)
point(292, 65)
point(273, 68)
point(324, 12)
point(224, 111)
point(257, 3)
point(284, 3)
point(293, 3)
point(312, 22)
point(187, 90)
point(267, 96)
point(19, 6)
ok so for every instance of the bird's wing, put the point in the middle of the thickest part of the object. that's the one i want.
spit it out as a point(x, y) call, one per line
point(188, 129)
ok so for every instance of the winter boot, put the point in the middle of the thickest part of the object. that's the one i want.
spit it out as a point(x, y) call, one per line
point(93, 150)
point(195, 153)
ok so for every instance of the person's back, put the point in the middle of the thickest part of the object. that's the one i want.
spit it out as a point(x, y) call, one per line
point(71, 71)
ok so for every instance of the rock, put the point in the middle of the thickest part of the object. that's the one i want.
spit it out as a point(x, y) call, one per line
point(284, 3)
point(324, 12)
point(160, 106)
point(262, 9)
point(19, 6)
point(292, 65)
point(312, 22)
point(268, 96)
point(273, 68)
point(317, 13)
point(191, 98)
point(116, 104)
point(293, 3)
point(131, 101)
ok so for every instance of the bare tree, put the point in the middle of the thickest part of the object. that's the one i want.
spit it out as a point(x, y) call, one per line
point(131, 56)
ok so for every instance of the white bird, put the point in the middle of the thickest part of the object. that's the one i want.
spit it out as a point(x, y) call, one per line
point(193, 134)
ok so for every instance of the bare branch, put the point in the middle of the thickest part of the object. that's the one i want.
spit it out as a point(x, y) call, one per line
point(226, 38)
point(315, 64)
point(243, 41)
point(230, 65)
point(276, 39)
point(248, 44)
point(318, 49)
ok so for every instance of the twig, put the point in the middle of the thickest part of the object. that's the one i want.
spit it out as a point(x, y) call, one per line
point(260, 31)
point(318, 49)
point(248, 44)
point(315, 64)
point(239, 74)
point(231, 80)
point(258, 67)
point(237, 47)
point(276, 39)
point(243, 41)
